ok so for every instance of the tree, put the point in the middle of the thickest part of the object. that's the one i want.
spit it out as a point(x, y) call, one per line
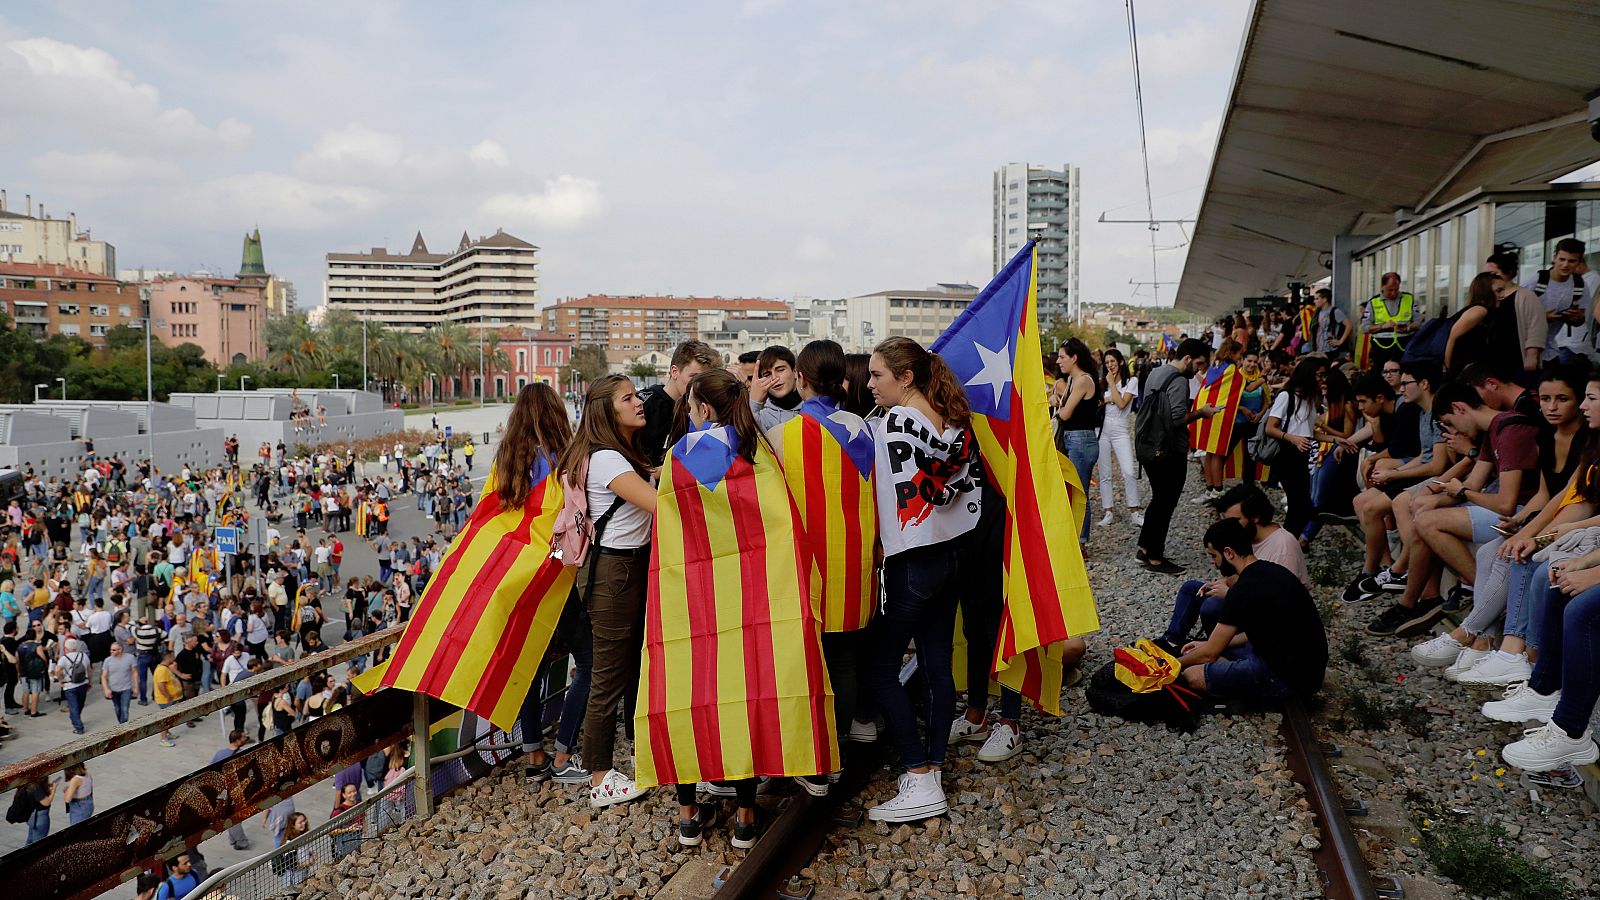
point(588, 363)
point(641, 368)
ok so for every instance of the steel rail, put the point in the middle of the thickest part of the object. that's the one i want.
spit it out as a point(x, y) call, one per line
point(1339, 858)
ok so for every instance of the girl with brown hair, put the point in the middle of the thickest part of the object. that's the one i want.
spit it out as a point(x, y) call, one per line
point(606, 457)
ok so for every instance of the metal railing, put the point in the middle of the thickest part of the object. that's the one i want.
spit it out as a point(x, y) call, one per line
point(281, 871)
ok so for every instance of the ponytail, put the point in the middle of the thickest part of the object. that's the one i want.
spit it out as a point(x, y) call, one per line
point(822, 364)
point(729, 400)
point(930, 375)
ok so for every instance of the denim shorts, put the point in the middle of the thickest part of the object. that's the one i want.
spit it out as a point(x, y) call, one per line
point(35, 685)
point(1246, 676)
point(1483, 522)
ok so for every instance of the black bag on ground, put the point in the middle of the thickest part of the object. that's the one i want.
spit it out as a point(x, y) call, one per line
point(1110, 697)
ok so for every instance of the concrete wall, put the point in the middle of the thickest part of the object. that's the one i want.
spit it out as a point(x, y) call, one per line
point(257, 416)
point(197, 448)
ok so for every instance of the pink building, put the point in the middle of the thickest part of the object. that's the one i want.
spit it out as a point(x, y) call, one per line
point(226, 317)
point(534, 356)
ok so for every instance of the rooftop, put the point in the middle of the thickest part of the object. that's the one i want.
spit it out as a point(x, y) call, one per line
point(419, 249)
point(52, 270)
point(609, 301)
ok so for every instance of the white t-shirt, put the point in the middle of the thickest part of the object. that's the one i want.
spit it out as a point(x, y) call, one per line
point(1558, 296)
point(1113, 413)
point(629, 526)
point(921, 498)
point(1305, 414)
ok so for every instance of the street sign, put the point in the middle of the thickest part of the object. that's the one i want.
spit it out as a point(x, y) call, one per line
point(228, 540)
point(448, 431)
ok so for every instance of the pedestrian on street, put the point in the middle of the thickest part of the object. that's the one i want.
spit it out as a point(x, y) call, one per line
point(119, 680)
point(72, 670)
point(236, 835)
point(79, 795)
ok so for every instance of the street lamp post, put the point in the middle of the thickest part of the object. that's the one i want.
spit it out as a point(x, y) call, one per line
point(242, 380)
point(366, 383)
point(36, 389)
point(63, 387)
point(483, 381)
point(335, 380)
point(219, 382)
point(433, 388)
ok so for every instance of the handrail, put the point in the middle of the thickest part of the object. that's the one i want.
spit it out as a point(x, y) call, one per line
point(87, 747)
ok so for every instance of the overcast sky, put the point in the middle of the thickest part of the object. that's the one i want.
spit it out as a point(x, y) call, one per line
point(763, 147)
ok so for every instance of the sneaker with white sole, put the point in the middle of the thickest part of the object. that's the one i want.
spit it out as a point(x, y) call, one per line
point(964, 729)
point(1522, 704)
point(1004, 742)
point(1497, 669)
point(1468, 658)
point(920, 797)
point(864, 732)
point(613, 789)
point(1393, 582)
point(1439, 650)
point(570, 772)
point(1107, 519)
point(1548, 747)
point(1137, 518)
point(726, 788)
point(815, 785)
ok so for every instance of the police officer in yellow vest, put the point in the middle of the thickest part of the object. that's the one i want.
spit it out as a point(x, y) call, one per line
point(1389, 318)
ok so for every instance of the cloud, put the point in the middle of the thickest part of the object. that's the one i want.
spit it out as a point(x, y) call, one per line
point(288, 202)
point(360, 155)
point(103, 167)
point(489, 153)
point(813, 249)
point(567, 202)
point(752, 9)
point(63, 87)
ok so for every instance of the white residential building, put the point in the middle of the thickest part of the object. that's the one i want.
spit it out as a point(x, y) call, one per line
point(920, 315)
point(493, 279)
point(1033, 201)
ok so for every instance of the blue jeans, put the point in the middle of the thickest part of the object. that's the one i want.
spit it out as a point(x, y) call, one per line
point(1190, 608)
point(147, 668)
point(1569, 661)
point(1331, 485)
point(577, 635)
point(1083, 448)
point(119, 702)
point(78, 810)
point(920, 588)
point(1529, 581)
point(1244, 675)
point(38, 826)
point(75, 698)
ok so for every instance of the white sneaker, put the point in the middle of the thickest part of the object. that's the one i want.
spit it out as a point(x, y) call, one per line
point(1137, 518)
point(921, 797)
point(614, 788)
point(1548, 747)
point(1497, 670)
point(726, 789)
point(1107, 519)
point(1468, 658)
point(1440, 650)
point(963, 730)
point(1522, 704)
point(1004, 742)
point(864, 732)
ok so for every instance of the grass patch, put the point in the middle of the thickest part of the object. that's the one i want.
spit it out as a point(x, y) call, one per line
point(1481, 859)
point(1366, 710)
point(1354, 650)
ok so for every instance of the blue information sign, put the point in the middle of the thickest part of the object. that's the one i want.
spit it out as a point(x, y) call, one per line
point(228, 540)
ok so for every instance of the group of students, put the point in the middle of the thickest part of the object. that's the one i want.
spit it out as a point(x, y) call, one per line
point(911, 476)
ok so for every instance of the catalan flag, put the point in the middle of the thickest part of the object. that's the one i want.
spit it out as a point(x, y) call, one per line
point(483, 623)
point(1168, 343)
point(991, 347)
point(1363, 352)
point(1221, 388)
point(1308, 321)
point(732, 684)
point(826, 454)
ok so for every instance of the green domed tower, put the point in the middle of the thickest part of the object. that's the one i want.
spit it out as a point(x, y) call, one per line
point(252, 265)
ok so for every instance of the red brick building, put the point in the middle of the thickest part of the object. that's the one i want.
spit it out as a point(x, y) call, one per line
point(46, 299)
point(631, 327)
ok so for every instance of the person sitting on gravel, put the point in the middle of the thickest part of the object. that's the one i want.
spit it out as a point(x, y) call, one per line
point(1200, 601)
point(1268, 643)
point(1453, 513)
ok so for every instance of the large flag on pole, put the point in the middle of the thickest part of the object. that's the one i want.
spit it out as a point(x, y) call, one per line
point(993, 348)
point(483, 623)
point(732, 684)
point(1221, 388)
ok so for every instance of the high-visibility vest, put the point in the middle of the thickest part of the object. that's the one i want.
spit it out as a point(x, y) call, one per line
point(1382, 317)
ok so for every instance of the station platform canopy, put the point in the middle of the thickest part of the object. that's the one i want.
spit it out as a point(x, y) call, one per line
point(1342, 115)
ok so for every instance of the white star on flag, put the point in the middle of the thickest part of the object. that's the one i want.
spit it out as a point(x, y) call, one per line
point(996, 371)
point(851, 424)
point(720, 433)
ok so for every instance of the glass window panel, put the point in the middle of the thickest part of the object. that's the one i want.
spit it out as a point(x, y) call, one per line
point(1444, 264)
point(1420, 277)
point(1467, 262)
point(1520, 227)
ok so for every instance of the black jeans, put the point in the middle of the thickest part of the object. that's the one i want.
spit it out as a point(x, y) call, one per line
point(920, 588)
point(1166, 488)
point(982, 605)
point(842, 652)
point(1291, 469)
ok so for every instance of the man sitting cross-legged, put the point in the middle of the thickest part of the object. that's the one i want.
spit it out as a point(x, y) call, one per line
point(1268, 643)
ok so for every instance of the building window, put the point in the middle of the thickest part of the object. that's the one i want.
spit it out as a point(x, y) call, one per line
point(561, 353)
point(100, 311)
point(69, 328)
point(68, 309)
point(97, 330)
point(125, 311)
point(547, 356)
point(522, 360)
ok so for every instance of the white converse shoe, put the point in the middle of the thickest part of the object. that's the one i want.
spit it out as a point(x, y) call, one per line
point(613, 789)
point(726, 788)
point(1468, 658)
point(1440, 650)
point(921, 797)
point(1522, 704)
point(1137, 518)
point(1107, 519)
point(1004, 742)
point(1498, 669)
point(1548, 747)
point(864, 732)
point(964, 730)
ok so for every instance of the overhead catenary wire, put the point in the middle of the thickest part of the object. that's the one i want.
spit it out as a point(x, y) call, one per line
point(1144, 147)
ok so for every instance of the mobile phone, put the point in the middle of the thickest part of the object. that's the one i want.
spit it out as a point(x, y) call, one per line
point(1503, 531)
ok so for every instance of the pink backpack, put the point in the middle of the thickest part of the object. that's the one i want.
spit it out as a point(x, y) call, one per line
point(574, 531)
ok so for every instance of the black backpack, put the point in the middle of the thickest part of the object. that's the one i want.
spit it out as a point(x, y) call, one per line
point(22, 805)
point(1176, 705)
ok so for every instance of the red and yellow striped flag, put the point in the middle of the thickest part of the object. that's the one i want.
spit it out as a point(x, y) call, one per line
point(1221, 388)
point(483, 623)
point(826, 454)
point(1308, 323)
point(993, 348)
point(732, 684)
point(1363, 352)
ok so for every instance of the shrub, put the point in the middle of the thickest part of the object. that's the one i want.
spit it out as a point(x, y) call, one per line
point(1480, 858)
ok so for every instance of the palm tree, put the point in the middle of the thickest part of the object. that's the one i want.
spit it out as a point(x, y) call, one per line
point(456, 349)
point(294, 347)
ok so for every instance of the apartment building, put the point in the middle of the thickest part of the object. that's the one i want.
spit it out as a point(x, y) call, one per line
point(1038, 202)
point(41, 240)
point(920, 315)
point(43, 300)
point(631, 327)
point(493, 280)
point(226, 317)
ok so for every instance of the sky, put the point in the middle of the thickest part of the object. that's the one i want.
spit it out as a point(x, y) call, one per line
point(742, 148)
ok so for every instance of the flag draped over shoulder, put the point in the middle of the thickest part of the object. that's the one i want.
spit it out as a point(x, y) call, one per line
point(1363, 352)
point(826, 453)
point(732, 684)
point(1221, 388)
point(483, 623)
point(993, 348)
point(1308, 321)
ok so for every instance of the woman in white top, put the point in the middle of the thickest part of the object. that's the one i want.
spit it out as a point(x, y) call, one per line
point(1292, 420)
point(928, 503)
point(1116, 438)
point(605, 453)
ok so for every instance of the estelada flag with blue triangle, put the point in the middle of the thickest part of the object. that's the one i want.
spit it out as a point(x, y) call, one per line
point(994, 348)
point(483, 623)
point(732, 684)
point(827, 454)
point(1221, 388)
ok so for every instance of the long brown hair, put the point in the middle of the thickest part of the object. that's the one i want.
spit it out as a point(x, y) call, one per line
point(598, 430)
point(538, 422)
point(729, 400)
point(929, 375)
point(857, 396)
point(822, 363)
